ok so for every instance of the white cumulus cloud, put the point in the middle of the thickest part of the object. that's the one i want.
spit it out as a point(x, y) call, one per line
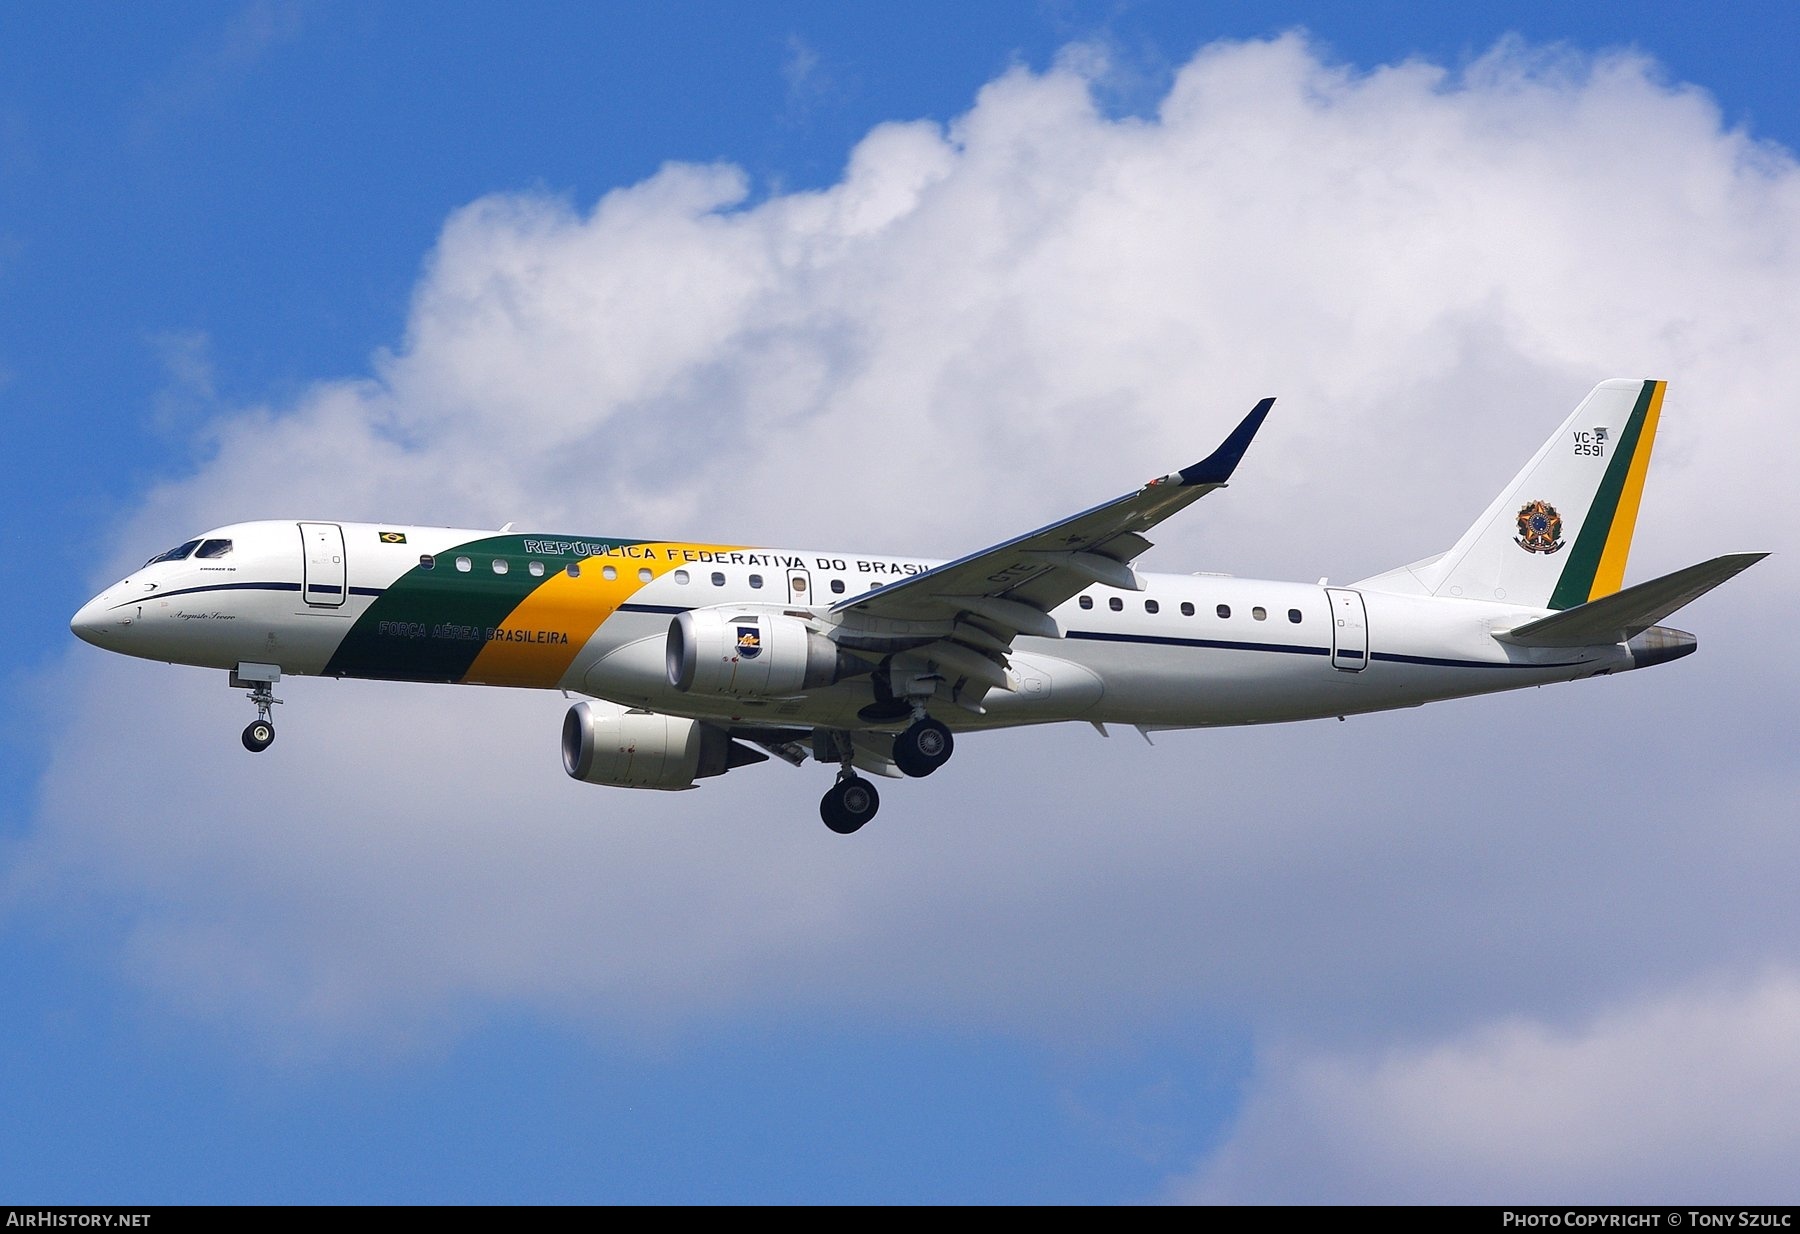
point(1689, 1097)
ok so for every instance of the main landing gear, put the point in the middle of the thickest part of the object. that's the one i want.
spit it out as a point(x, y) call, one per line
point(851, 802)
point(923, 748)
point(259, 734)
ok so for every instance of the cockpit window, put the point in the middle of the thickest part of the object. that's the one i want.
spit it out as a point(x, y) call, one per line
point(211, 549)
point(179, 553)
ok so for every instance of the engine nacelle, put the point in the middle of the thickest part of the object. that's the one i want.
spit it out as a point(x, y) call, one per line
point(603, 743)
point(751, 654)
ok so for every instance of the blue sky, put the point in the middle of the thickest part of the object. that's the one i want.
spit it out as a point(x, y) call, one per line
point(209, 214)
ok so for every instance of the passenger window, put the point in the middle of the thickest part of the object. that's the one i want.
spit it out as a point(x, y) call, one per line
point(1116, 604)
point(1294, 615)
point(1151, 606)
point(681, 576)
point(1086, 601)
point(798, 583)
point(608, 573)
point(537, 569)
point(645, 574)
point(1187, 610)
point(213, 549)
point(1224, 610)
point(718, 579)
point(1260, 613)
point(500, 565)
point(837, 586)
point(464, 564)
point(574, 570)
point(756, 581)
point(427, 561)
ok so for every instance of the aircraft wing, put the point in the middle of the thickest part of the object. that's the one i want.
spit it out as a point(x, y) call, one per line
point(1009, 589)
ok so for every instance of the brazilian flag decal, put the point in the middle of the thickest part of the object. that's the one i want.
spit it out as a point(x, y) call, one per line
point(393, 537)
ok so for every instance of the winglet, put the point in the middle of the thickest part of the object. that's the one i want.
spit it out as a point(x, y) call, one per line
point(1216, 468)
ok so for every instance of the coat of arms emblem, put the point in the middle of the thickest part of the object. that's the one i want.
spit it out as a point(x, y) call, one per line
point(1540, 527)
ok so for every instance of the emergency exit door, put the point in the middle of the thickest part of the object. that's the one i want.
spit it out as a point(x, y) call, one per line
point(323, 576)
point(1349, 630)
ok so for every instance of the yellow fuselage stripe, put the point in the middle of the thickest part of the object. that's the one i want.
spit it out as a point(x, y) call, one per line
point(574, 607)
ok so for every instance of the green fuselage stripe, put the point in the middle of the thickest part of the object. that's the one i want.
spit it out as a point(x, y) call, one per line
point(1577, 580)
point(429, 625)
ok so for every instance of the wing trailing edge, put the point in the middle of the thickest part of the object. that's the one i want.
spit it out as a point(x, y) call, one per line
point(1040, 569)
point(959, 620)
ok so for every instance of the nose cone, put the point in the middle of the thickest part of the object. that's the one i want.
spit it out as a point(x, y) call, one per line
point(99, 622)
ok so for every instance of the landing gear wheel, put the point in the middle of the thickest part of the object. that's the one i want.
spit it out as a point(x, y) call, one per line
point(259, 735)
point(850, 803)
point(923, 748)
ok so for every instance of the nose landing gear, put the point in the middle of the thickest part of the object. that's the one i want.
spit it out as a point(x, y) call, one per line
point(259, 734)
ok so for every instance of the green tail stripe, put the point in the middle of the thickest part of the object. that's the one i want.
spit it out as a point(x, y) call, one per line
point(431, 624)
point(1577, 581)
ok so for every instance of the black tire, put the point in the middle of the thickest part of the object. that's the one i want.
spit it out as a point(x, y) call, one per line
point(259, 735)
point(923, 748)
point(849, 805)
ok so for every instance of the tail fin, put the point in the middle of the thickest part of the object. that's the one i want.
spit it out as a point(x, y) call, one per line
point(1559, 534)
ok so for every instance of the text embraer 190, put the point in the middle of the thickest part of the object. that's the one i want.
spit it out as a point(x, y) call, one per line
point(699, 658)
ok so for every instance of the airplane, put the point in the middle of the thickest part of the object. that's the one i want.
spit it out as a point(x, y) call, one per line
point(696, 659)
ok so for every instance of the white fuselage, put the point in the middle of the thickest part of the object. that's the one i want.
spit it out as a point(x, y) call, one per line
point(505, 609)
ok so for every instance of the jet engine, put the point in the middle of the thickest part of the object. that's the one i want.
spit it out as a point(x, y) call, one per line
point(603, 743)
point(752, 655)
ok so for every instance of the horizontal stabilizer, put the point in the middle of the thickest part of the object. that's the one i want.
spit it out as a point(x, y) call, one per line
point(1625, 614)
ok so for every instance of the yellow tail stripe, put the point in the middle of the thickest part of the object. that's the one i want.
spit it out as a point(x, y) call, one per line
point(1610, 574)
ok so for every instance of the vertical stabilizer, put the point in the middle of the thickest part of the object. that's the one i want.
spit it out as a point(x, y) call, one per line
point(1559, 534)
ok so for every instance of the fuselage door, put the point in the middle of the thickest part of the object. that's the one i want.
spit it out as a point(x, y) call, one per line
point(799, 587)
point(1349, 630)
point(323, 580)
